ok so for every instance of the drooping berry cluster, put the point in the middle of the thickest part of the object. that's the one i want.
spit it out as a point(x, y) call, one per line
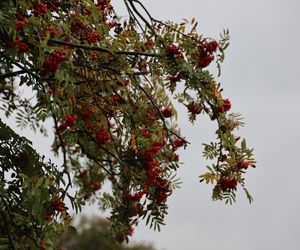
point(53, 61)
point(174, 51)
point(102, 136)
point(56, 205)
point(92, 37)
point(21, 21)
point(226, 183)
point(225, 106)
point(167, 112)
point(206, 53)
point(21, 46)
point(39, 9)
point(69, 121)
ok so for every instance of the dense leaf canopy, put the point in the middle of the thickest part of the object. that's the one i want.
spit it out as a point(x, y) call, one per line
point(107, 85)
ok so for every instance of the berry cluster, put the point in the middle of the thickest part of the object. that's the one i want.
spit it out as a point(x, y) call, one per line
point(206, 53)
point(87, 113)
point(102, 4)
point(152, 151)
point(174, 51)
point(92, 37)
point(21, 21)
point(52, 5)
point(162, 190)
point(39, 9)
point(112, 24)
point(243, 164)
point(69, 121)
point(226, 183)
point(225, 106)
point(53, 61)
point(151, 116)
point(93, 55)
point(167, 112)
point(153, 172)
point(116, 99)
point(21, 46)
point(102, 136)
point(135, 197)
point(179, 143)
point(55, 205)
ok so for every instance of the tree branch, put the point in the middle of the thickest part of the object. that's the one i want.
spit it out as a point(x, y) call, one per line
point(12, 74)
point(52, 42)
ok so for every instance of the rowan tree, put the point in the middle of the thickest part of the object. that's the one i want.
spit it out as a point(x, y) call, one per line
point(107, 84)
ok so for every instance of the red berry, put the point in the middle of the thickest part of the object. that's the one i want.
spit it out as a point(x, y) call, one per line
point(174, 50)
point(227, 183)
point(96, 186)
point(244, 164)
point(179, 143)
point(152, 164)
point(113, 24)
point(92, 37)
point(211, 46)
point(167, 112)
point(145, 133)
point(226, 105)
point(39, 9)
point(93, 55)
point(48, 216)
point(205, 60)
point(61, 128)
point(21, 46)
point(70, 120)
point(82, 174)
point(102, 136)
point(21, 21)
point(116, 99)
point(87, 113)
point(54, 60)
point(59, 56)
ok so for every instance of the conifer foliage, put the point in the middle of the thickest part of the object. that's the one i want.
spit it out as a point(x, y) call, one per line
point(106, 83)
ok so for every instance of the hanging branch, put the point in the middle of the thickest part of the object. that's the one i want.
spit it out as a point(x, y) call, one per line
point(52, 42)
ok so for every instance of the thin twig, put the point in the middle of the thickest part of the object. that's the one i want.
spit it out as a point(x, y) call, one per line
point(140, 15)
point(161, 115)
point(64, 151)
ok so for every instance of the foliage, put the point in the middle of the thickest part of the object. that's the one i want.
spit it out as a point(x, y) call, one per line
point(107, 84)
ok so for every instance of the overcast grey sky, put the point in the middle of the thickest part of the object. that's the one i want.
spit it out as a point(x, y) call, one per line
point(260, 76)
